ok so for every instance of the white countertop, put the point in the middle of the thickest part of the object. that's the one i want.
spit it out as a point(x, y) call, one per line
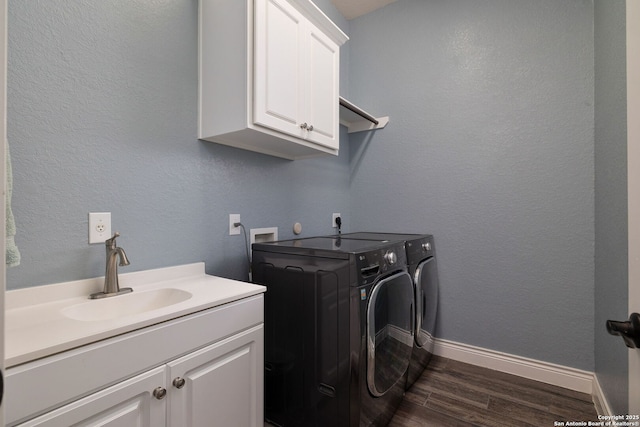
point(36, 327)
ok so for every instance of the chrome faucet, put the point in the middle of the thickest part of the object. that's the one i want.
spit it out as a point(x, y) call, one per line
point(111, 285)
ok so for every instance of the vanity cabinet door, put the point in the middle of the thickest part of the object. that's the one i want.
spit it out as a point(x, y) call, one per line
point(130, 403)
point(219, 385)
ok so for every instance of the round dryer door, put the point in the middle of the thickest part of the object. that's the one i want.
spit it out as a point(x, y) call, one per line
point(389, 332)
point(426, 281)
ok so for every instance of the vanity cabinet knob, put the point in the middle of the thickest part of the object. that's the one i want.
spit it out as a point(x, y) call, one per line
point(304, 126)
point(159, 393)
point(178, 382)
point(310, 128)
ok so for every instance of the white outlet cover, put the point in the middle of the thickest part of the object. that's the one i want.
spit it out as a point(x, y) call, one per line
point(233, 218)
point(333, 219)
point(99, 227)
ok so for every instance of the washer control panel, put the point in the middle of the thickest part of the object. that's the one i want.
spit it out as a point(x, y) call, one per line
point(419, 249)
point(372, 264)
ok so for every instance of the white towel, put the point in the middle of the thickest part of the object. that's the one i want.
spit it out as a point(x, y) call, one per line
point(13, 254)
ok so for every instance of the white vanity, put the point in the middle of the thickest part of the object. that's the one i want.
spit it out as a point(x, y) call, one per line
point(183, 349)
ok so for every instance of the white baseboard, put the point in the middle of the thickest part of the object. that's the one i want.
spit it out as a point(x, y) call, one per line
point(558, 375)
point(599, 399)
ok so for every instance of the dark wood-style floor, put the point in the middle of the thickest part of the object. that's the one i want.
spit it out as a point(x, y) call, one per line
point(452, 393)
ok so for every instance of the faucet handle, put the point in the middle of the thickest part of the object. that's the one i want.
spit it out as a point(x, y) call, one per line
point(111, 243)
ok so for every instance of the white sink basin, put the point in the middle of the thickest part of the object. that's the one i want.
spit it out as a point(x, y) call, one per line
point(125, 305)
point(45, 320)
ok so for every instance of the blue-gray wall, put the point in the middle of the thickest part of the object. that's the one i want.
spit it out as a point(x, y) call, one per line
point(490, 148)
point(611, 258)
point(102, 110)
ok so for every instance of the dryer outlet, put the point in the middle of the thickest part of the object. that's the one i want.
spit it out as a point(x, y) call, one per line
point(234, 219)
point(335, 216)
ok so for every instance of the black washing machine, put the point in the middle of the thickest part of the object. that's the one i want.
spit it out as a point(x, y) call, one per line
point(338, 330)
point(421, 263)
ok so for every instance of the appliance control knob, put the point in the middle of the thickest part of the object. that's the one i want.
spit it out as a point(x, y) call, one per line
point(390, 257)
point(426, 246)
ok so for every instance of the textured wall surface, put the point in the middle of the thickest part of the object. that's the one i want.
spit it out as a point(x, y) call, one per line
point(102, 117)
point(490, 148)
point(611, 257)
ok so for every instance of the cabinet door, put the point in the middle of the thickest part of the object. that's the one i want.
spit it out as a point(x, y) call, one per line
point(130, 403)
point(223, 384)
point(278, 97)
point(322, 88)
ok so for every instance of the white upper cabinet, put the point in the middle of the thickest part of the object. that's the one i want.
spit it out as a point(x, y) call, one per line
point(322, 87)
point(269, 77)
point(279, 89)
point(297, 75)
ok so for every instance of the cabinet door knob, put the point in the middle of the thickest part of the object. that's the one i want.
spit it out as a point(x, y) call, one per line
point(310, 128)
point(178, 382)
point(159, 393)
point(304, 126)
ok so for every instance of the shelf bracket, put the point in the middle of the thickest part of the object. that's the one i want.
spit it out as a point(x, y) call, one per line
point(358, 120)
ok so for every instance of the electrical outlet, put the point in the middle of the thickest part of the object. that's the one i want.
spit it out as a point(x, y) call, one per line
point(233, 230)
point(99, 227)
point(333, 219)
